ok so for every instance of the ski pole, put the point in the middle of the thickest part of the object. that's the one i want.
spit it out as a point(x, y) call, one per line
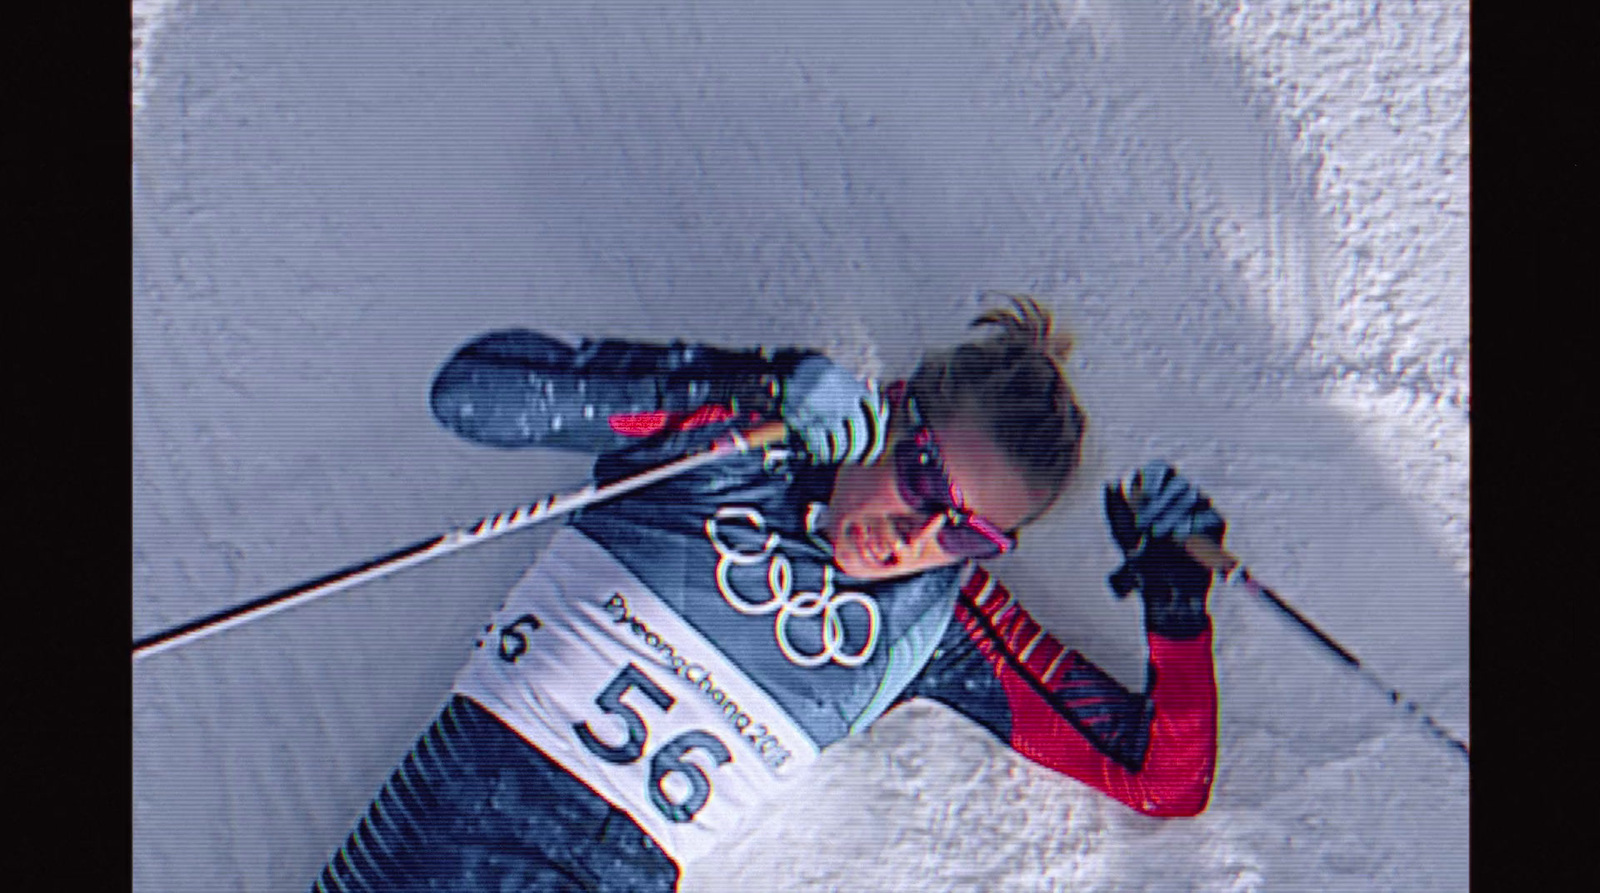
point(460, 538)
point(1219, 561)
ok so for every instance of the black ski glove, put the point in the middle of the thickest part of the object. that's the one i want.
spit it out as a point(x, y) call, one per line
point(1150, 517)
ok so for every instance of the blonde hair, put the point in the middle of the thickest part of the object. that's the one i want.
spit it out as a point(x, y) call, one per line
point(1013, 385)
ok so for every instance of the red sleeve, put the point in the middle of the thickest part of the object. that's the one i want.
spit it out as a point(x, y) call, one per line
point(1155, 752)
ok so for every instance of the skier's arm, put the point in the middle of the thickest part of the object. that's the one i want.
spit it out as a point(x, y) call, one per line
point(1154, 751)
point(518, 388)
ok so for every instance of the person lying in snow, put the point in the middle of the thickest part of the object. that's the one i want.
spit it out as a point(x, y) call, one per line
point(678, 653)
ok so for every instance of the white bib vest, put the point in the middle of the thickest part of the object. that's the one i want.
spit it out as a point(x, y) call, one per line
point(589, 666)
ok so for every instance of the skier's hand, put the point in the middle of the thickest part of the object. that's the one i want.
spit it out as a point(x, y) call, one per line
point(1157, 502)
point(1150, 516)
point(839, 417)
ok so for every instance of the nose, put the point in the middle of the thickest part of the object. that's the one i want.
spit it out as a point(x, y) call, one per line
point(910, 529)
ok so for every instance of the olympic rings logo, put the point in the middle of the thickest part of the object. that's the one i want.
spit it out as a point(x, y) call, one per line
point(784, 600)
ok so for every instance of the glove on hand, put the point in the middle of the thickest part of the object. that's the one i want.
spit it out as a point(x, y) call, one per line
point(840, 418)
point(1150, 517)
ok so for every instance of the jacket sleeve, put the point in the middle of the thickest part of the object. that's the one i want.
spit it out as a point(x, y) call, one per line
point(1154, 751)
point(517, 388)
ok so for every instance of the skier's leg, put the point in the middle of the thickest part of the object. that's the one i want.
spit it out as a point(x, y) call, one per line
point(474, 807)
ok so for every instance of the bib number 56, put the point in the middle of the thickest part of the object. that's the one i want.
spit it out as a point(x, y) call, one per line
point(668, 758)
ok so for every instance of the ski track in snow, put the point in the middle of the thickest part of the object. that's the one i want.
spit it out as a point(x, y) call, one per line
point(1253, 216)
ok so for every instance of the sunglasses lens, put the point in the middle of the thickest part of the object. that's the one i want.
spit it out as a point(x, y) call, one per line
point(924, 488)
point(968, 542)
point(920, 480)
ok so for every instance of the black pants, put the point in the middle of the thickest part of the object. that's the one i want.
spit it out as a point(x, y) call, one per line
point(473, 807)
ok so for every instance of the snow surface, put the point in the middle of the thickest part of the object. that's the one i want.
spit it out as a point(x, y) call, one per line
point(1254, 217)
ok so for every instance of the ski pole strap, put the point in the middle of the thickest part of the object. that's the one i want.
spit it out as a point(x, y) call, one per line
point(1211, 555)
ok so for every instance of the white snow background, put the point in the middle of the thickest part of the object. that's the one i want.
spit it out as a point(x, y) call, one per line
point(1253, 216)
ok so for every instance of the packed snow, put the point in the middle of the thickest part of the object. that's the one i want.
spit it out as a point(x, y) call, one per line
point(1252, 216)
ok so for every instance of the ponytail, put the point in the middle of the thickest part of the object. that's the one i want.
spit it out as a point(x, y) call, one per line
point(1012, 384)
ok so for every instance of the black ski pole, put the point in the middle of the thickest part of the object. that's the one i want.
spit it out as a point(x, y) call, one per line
point(1220, 561)
point(428, 549)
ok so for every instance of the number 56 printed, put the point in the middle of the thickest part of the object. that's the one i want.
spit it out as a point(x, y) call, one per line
point(668, 758)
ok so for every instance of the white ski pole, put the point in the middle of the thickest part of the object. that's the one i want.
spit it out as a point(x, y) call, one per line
point(486, 529)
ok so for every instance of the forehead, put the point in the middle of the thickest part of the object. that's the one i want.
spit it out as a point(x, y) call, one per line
point(978, 467)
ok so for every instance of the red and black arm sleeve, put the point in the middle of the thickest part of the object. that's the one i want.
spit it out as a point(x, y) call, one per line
point(1154, 751)
point(518, 388)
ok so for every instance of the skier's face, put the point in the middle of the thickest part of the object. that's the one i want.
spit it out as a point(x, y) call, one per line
point(876, 535)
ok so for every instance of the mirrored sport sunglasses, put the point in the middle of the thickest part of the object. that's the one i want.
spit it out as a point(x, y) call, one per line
point(925, 487)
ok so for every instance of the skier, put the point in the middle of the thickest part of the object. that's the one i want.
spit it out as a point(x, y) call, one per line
point(676, 655)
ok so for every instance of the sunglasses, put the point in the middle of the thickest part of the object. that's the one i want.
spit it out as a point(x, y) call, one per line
point(926, 488)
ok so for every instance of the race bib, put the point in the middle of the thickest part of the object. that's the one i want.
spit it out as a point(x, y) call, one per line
point(588, 665)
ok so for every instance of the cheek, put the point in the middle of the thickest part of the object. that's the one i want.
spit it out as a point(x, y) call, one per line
point(883, 497)
point(863, 492)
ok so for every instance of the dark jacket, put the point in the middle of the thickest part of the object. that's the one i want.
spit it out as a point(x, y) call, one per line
point(954, 634)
